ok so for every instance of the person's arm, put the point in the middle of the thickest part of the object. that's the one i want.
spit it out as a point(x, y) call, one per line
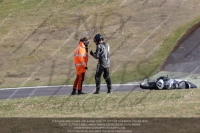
point(82, 59)
point(96, 55)
point(86, 59)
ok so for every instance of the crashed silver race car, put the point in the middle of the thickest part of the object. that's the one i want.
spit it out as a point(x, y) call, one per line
point(165, 83)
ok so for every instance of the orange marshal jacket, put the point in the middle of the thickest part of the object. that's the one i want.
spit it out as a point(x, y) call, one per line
point(80, 58)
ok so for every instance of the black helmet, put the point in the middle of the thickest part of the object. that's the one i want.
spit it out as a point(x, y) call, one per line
point(98, 38)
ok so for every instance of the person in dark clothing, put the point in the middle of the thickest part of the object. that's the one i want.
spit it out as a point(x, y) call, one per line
point(103, 55)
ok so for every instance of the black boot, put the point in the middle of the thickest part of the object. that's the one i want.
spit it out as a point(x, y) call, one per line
point(73, 92)
point(80, 92)
point(97, 91)
point(109, 89)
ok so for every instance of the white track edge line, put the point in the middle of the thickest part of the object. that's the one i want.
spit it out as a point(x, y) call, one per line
point(64, 86)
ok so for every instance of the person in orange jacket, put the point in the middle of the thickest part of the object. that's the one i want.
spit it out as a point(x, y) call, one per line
point(80, 61)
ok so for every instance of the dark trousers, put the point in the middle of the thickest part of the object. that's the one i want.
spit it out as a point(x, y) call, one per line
point(79, 81)
point(100, 69)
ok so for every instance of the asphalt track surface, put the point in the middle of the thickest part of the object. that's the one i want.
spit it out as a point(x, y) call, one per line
point(11, 93)
point(186, 57)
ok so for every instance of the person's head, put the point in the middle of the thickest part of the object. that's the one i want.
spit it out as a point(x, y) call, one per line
point(98, 38)
point(85, 41)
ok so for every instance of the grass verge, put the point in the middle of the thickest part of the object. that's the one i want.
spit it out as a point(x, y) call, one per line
point(37, 38)
point(169, 103)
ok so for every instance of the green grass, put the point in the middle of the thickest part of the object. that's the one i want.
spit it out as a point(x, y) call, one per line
point(27, 22)
point(169, 103)
point(160, 109)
